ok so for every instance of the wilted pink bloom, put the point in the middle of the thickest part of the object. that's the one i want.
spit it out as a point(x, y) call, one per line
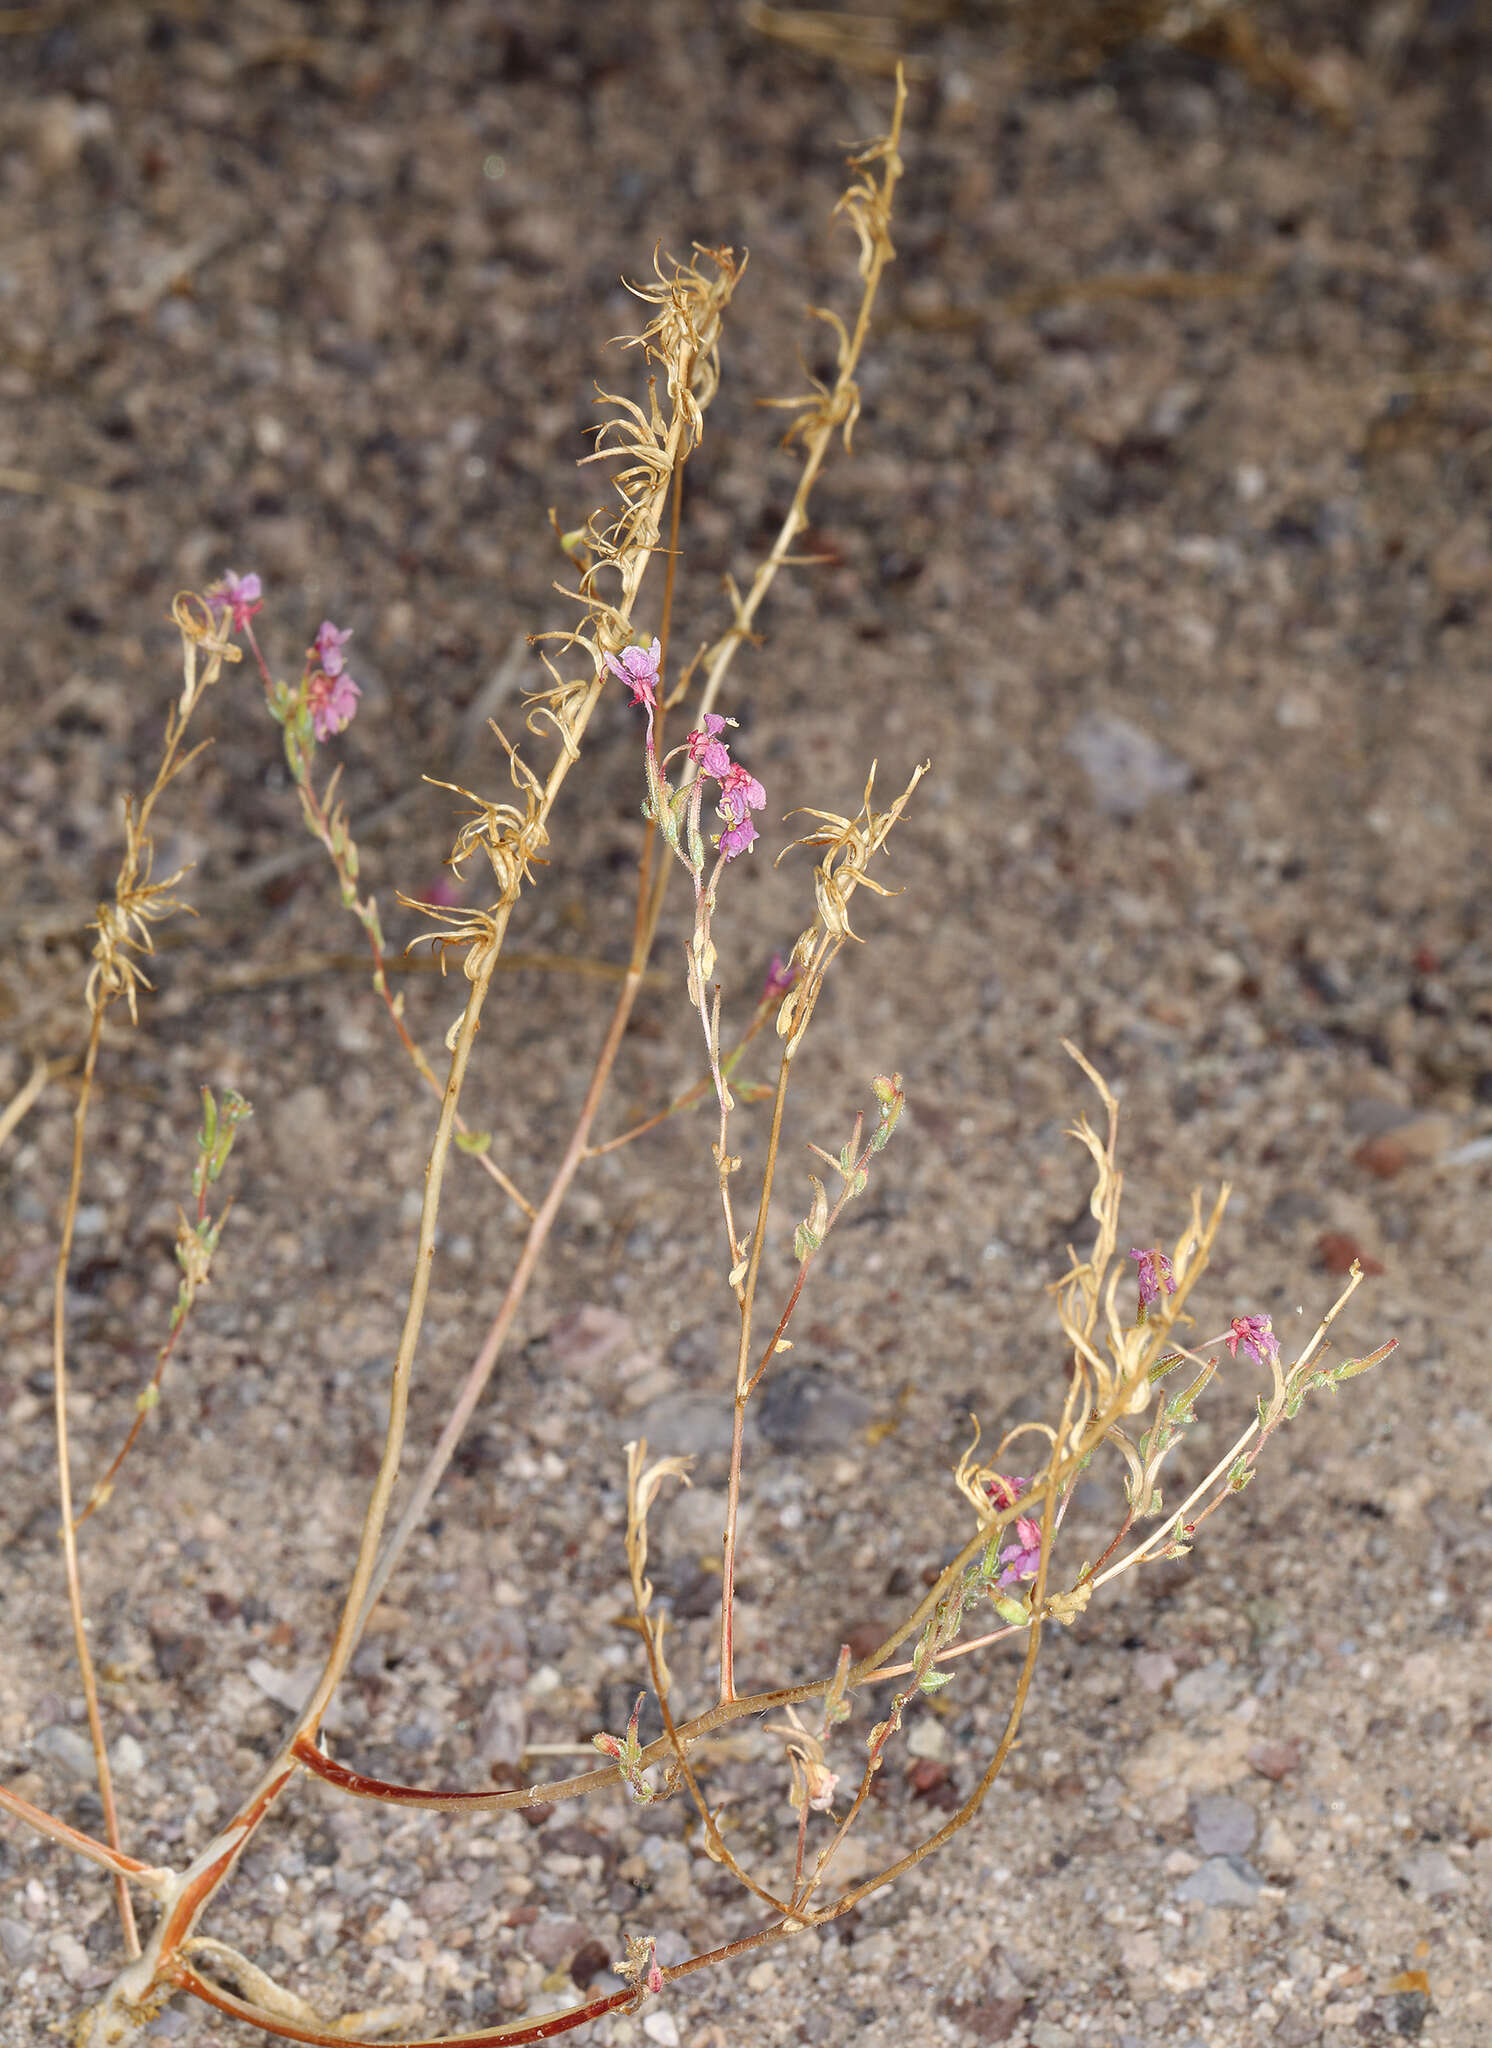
point(655, 1973)
point(1256, 1336)
point(328, 645)
point(737, 838)
point(707, 749)
point(740, 792)
point(332, 701)
point(638, 669)
point(240, 596)
point(779, 979)
point(1154, 1274)
point(1004, 1493)
point(1023, 1562)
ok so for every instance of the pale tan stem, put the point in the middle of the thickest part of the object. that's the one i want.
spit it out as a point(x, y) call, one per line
point(743, 1394)
point(69, 1531)
point(534, 1241)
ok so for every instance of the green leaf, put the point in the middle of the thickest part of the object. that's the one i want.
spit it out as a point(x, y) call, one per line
point(475, 1142)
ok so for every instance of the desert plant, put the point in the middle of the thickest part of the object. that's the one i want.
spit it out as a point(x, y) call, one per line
point(1123, 1332)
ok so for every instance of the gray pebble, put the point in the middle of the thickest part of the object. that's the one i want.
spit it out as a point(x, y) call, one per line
point(17, 1942)
point(554, 1941)
point(1214, 1685)
point(1430, 1874)
point(1222, 1881)
point(1222, 1825)
point(687, 1425)
point(804, 1409)
point(1125, 766)
point(69, 1747)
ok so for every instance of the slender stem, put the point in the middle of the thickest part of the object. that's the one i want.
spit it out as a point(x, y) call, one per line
point(100, 1491)
point(187, 1979)
point(366, 912)
point(818, 434)
point(680, 1753)
point(534, 1241)
point(358, 1593)
point(42, 1071)
point(742, 1395)
point(65, 1487)
point(690, 1095)
point(149, 1875)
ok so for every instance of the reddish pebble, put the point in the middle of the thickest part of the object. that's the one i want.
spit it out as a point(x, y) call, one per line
point(1276, 1759)
point(1338, 1252)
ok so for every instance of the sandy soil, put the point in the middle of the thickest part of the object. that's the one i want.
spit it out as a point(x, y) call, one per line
point(1167, 540)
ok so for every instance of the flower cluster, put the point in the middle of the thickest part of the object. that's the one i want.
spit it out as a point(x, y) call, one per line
point(328, 692)
point(740, 792)
point(331, 694)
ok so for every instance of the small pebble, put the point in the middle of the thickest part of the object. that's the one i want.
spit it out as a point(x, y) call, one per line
point(663, 2028)
point(1222, 1881)
point(590, 1338)
point(804, 1409)
point(17, 1942)
point(1214, 1685)
point(1125, 767)
point(69, 1747)
point(1430, 1874)
point(1222, 1826)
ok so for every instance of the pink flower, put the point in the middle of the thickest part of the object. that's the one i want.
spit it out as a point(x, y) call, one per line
point(332, 700)
point(1154, 1274)
point(240, 596)
point(740, 792)
point(638, 669)
point(706, 748)
point(327, 647)
point(738, 838)
point(1256, 1336)
point(779, 980)
point(1023, 1562)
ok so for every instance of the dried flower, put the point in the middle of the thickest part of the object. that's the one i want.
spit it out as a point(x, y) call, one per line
point(1004, 1493)
point(326, 650)
point(331, 700)
point(638, 669)
point(239, 596)
point(1154, 1274)
point(1256, 1336)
